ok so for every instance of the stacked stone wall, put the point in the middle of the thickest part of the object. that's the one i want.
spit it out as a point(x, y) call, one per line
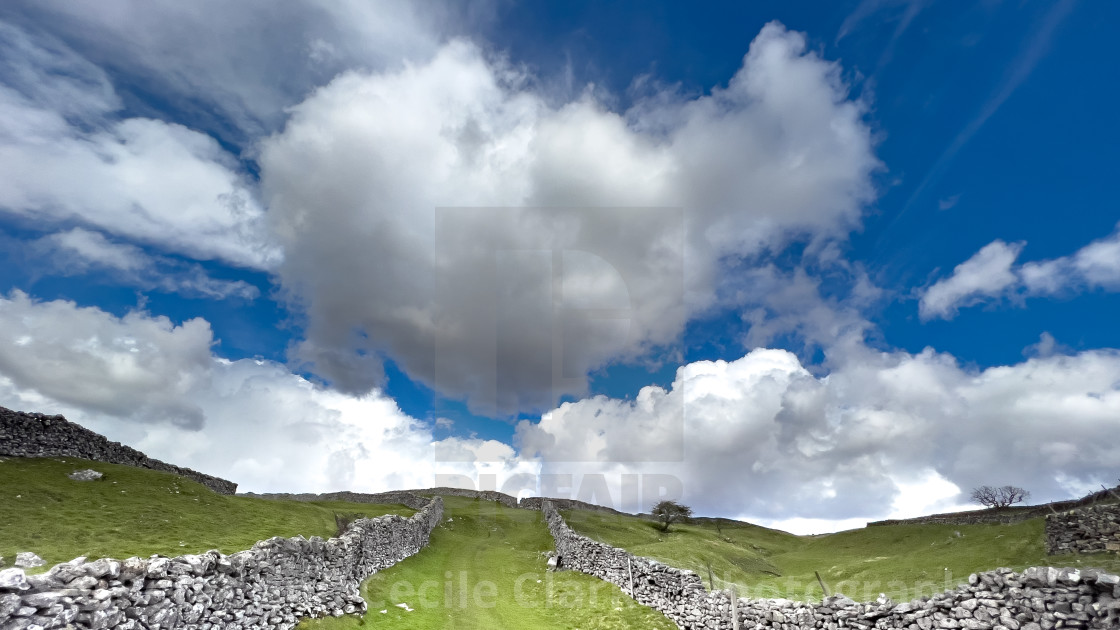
point(396, 497)
point(536, 503)
point(272, 585)
point(1010, 514)
point(1088, 530)
point(411, 498)
point(484, 495)
point(38, 435)
point(1036, 599)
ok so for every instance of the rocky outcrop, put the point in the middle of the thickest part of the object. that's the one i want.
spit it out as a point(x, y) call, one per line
point(38, 435)
point(1088, 530)
point(272, 585)
point(1038, 598)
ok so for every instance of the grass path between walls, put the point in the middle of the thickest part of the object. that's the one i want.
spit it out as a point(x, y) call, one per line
point(485, 568)
point(138, 512)
point(903, 561)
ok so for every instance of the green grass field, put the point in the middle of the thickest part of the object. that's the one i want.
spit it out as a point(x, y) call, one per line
point(485, 568)
point(138, 512)
point(903, 561)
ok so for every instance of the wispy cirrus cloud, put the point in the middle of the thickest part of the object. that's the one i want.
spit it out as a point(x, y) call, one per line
point(68, 157)
point(1033, 50)
point(79, 251)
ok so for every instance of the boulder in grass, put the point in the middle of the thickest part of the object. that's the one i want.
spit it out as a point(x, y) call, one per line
point(28, 560)
point(85, 475)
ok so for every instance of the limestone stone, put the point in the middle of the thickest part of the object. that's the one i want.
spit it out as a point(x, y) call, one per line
point(87, 474)
point(13, 579)
point(28, 560)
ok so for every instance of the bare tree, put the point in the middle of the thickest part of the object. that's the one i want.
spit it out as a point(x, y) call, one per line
point(1003, 496)
point(667, 512)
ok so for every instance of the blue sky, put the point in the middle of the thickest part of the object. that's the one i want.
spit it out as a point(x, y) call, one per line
point(886, 218)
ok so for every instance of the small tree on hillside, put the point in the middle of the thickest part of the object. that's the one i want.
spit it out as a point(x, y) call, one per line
point(1000, 497)
point(668, 512)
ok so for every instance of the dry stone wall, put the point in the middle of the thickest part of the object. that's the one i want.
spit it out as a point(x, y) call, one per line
point(1088, 530)
point(400, 497)
point(1039, 598)
point(271, 585)
point(485, 495)
point(536, 503)
point(1010, 514)
point(38, 435)
point(412, 498)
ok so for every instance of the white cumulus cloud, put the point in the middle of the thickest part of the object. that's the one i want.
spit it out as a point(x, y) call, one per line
point(884, 434)
point(988, 273)
point(888, 434)
point(156, 386)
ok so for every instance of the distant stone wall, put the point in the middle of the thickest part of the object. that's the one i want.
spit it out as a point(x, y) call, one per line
point(272, 585)
point(1088, 530)
point(1039, 598)
point(38, 435)
point(1010, 514)
point(1005, 516)
point(400, 497)
point(412, 498)
point(535, 503)
point(418, 498)
point(485, 495)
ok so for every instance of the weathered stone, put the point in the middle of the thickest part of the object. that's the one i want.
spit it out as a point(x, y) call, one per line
point(13, 579)
point(28, 560)
point(87, 474)
point(103, 567)
point(44, 582)
point(9, 603)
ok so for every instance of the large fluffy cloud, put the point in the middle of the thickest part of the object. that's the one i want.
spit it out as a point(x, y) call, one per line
point(368, 182)
point(991, 274)
point(155, 385)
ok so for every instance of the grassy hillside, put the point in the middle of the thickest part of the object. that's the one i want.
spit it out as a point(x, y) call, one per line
point(133, 511)
point(485, 568)
point(903, 561)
